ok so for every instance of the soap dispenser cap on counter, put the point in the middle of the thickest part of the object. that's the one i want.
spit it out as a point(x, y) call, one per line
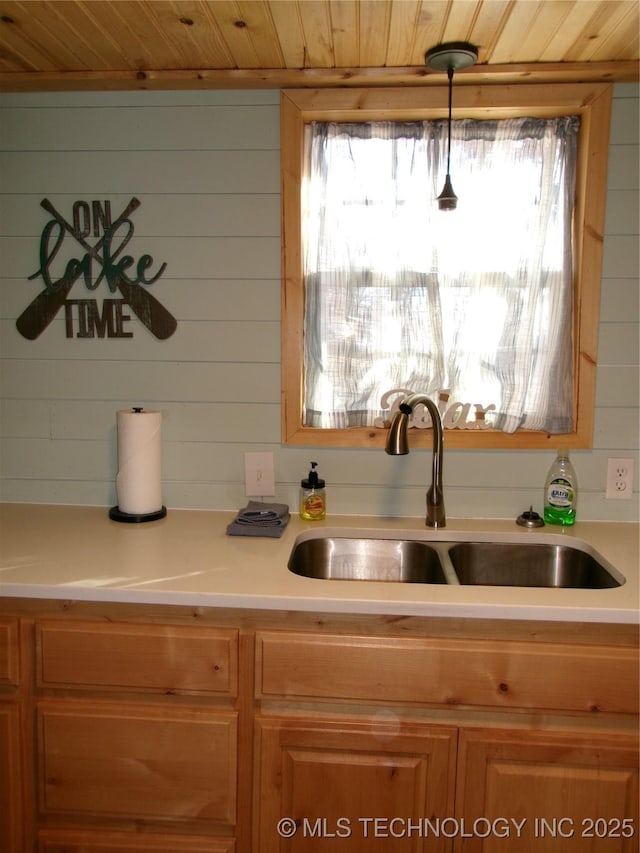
point(312, 481)
point(530, 518)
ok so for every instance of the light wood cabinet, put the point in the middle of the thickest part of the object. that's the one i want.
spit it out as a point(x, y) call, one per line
point(555, 748)
point(9, 654)
point(568, 791)
point(167, 658)
point(329, 777)
point(136, 724)
point(554, 791)
point(11, 816)
point(503, 674)
point(87, 841)
point(144, 729)
point(137, 761)
point(10, 779)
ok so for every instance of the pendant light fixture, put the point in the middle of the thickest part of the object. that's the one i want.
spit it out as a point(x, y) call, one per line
point(450, 57)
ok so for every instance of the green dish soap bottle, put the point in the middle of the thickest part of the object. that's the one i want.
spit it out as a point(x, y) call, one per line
point(313, 501)
point(561, 491)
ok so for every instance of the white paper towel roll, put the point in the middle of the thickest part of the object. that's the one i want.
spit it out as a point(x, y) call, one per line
point(139, 478)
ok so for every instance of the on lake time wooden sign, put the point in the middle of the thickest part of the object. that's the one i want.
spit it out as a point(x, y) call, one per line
point(98, 243)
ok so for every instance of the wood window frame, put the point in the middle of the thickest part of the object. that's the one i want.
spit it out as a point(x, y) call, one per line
point(591, 101)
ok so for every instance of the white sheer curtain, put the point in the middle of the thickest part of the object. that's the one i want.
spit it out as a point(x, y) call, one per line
point(399, 294)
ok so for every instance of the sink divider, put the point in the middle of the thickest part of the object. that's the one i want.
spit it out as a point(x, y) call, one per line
point(445, 560)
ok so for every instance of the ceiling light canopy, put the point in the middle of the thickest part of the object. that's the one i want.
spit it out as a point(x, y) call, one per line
point(454, 54)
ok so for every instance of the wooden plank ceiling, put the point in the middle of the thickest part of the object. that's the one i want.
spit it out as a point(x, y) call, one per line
point(76, 44)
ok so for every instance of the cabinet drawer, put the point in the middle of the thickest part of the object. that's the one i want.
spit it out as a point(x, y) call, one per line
point(438, 671)
point(9, 668)
point(150, 657)
point(137, 761)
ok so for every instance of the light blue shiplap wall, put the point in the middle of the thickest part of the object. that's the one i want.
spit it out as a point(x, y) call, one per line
point(206, 168)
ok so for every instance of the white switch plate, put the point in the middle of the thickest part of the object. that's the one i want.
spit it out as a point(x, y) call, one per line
point(620, 479)
point(259, 475)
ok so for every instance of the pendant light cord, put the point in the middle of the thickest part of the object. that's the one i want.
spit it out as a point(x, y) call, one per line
point(450, 76)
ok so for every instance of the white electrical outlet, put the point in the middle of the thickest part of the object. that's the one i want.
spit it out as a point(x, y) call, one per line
point(259, 475)
point(620, 479)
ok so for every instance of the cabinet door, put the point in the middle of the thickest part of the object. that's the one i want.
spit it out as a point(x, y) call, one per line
point(547, 791)
point(10, 815)
point(367, 784)
point(10, 775)
point(9, 664)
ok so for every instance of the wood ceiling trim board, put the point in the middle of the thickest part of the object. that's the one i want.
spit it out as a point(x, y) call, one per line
point(430, 25)
point(91, 33)
point(488, 26)
point(234, 33)
point(612, 18)
point(97, 26)
point(166, 23)
point(18, 44)
point(288, 27)
point(175, 58)
point(624, 41)
point(550, 20)
point(116, 35)
point(619, 43)
point(256, 14)
point(460, 20)
point(18, 58)
point(202, 79)
point(208, 48)
point(12, 62)
point(591, 31)
point(49, 30)
point(345, 31)
point(119, 47)
point(579, 16)
point(511, 45)
point(375, 16)
point(316, 26)
point(628, 40)
point(403, 25)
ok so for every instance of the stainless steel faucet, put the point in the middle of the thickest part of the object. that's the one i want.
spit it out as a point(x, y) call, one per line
point(398, 445)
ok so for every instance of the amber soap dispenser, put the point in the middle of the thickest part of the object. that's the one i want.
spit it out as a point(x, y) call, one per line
point(313, 501)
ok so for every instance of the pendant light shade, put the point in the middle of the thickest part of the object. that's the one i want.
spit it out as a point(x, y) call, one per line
point(450, 57)
point(447, 200)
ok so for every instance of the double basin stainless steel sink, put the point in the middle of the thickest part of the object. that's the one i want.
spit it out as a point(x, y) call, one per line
point(511, 561)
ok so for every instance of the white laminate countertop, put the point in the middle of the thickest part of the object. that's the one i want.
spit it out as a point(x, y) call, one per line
point(73, 552)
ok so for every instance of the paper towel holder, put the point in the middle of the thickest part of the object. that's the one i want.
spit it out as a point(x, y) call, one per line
point(116, 514)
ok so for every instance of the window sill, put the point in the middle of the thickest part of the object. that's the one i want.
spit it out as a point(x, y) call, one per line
point(461, 439)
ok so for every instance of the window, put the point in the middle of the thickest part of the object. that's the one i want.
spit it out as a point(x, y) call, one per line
point(437, 296)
